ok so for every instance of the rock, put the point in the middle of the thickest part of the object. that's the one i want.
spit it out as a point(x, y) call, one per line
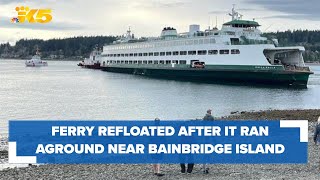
point(234, 112)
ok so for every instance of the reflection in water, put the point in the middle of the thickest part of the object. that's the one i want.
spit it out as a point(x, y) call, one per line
point(64, 91)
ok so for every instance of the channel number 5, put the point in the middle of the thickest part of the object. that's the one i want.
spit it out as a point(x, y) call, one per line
point(34, 15)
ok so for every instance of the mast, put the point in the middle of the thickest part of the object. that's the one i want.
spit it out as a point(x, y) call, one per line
point(234, 14)
point(38, 52)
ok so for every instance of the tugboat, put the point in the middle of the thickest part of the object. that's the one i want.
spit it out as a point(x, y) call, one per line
point(93, 62)
point(36, 61)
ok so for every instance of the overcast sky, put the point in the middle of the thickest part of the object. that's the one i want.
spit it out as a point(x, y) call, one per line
point(148, 17)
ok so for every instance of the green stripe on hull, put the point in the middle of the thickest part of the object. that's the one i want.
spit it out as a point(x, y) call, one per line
point(207, 67)
point(216, 74)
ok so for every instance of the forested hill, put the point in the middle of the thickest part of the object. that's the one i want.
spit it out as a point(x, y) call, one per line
point(80, 47)
point(69, 48)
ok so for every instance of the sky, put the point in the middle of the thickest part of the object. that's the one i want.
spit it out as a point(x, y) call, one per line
point(148, 17)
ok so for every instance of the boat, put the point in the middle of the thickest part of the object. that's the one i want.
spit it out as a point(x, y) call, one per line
point(93, 62)
point(237, 53)
point(36, 61)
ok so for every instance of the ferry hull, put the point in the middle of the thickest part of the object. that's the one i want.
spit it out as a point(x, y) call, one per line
point(278, 78)
point(94, 66)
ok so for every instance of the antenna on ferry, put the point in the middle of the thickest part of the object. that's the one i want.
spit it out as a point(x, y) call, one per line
point(216, 22)
point(37, 52)
point(129, 31)
point(234, 14)
point(268, 27)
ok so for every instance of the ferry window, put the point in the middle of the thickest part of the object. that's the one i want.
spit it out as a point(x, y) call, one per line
point(139, 62)
point(202, 52)
point(131, 54)
point(175, 61)
point(175, 53)
point(135, 62)
point(122, 62)
point(151, 54)
point(149, 62)
point(130, 62)
point(118, 55)
point(183, 52)
point(235, 41)
point(206, 41)
point(118, 62)
point(192, 52)
point(183, 62)
point(114, 55)
point(156, 53)
point(168, 62)
point(211, 52)
point(235, 51)
point(145, 54)
point(140, 54)
point(155, 62)
point(195, 41)
point(168, 53)
point(126, 55)
point(212, 41)
point(162, 53)
point(161, 62)
point(200, 41)
point(122, 55)
point(135, 54)
point(111, 55)
point(145, 62)
point(107, 62)
point(126, 62)
point(224, 51)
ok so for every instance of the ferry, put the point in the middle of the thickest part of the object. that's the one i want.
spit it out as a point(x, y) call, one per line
point(93, 62)
point(237, 53)
point(36, 61)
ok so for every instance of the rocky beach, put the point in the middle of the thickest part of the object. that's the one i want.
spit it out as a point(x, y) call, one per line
point(172, 171)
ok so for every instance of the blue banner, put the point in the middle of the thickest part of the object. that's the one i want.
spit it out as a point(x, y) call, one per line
point(95, 142)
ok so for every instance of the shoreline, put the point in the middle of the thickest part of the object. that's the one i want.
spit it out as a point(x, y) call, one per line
point(172, 171)
point(292, 114)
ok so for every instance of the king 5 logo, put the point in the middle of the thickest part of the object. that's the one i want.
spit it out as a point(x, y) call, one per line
point(32, 15)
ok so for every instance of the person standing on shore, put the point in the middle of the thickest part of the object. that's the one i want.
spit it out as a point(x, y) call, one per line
point(316, 136)
point(156, 167)
point(207, 117)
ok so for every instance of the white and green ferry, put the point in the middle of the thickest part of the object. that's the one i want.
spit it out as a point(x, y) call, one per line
point(236, 53)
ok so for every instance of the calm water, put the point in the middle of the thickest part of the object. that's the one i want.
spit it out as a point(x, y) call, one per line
point(64, 91)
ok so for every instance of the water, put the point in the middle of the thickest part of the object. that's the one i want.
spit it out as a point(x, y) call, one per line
point(64, 91)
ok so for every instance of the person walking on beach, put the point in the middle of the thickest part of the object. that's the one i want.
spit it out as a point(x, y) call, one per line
point(316, 136)
point(189, 167)
point(156, 167)
point(207, 117)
